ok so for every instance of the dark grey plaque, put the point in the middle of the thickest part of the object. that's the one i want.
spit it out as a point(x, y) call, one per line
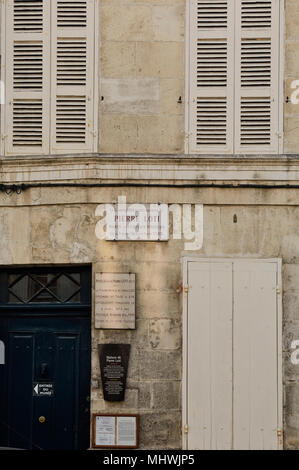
point(114, 361)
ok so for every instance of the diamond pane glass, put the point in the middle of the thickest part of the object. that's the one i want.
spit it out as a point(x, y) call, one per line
point(53, 287)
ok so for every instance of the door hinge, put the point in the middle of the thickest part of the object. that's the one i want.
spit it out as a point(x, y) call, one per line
point(186, 288)
point(186, 429)
point(278, 291)
point(280, 437)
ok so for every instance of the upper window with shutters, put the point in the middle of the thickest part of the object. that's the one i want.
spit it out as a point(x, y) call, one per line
point(234, 77)
point(48, 66)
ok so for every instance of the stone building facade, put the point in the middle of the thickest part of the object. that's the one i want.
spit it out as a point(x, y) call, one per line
point(141, 142)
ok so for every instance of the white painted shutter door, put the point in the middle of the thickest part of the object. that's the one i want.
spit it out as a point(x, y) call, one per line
point(233, 377)
point(27, 76)
point(257, 76)
point(255, 356)
point(209, 394)
point(72, 76)
point(211, 76)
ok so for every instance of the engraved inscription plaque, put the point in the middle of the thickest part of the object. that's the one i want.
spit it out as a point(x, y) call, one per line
point(115, 301)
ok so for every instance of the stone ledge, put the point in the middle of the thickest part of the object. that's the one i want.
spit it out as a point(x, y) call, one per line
point(155, 168)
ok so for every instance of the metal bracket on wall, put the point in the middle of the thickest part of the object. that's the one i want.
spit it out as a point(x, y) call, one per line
point(280, 437)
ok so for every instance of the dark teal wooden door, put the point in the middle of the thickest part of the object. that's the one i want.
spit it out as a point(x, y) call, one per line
point(45, 383)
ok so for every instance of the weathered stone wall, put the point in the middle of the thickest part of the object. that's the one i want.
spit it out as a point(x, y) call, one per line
point(142, 72)
point(142, 76)
point(44, 226)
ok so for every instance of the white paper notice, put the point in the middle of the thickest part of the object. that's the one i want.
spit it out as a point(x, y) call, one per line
point(126, 431)
point(105, 430)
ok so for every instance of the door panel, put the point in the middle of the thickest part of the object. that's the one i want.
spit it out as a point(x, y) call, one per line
point(255, 356)
point(55, 351)
point(21, 348)
point(210, 355)
point(67, 352)
point(232, 377)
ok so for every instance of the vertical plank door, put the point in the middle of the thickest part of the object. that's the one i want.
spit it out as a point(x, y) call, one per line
point(210, 355)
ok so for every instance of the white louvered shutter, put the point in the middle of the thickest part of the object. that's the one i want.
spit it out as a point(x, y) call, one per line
point(211, 74)
point(257, 76)
point(27, 76)
point(72, 76)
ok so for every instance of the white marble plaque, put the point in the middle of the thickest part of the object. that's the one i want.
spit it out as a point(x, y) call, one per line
point(115, 301)
point(139, 222)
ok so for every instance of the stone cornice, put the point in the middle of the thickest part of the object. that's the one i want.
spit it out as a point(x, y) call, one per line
point(169, 168)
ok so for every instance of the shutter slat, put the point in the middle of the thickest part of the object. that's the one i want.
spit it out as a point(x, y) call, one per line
point(214, 56)
point(234, 76)
point(212, 14)
point(72, 14)
point(71, 62)
point(255, 14)
point(27, 77)
point(28, 65)
point(72, 76)
point(28, 15)
point(255, 62)
point(256, 102)
point(211, 76)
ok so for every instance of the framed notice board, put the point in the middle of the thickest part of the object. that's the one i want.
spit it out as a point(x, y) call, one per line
point(115, 431)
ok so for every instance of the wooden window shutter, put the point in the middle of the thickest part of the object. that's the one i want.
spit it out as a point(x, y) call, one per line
point(257, 76)
point(211, 76)
point(72, 76)
point(27, 76)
